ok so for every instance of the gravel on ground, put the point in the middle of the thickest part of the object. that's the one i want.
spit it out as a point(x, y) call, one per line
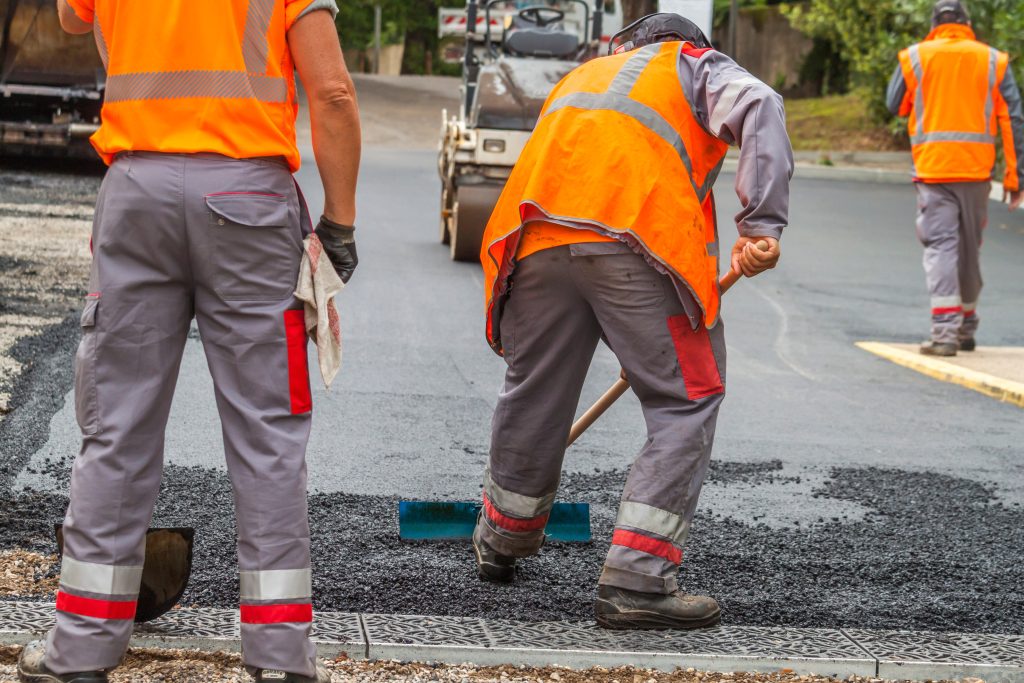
point(186, 666)
point(24, 574)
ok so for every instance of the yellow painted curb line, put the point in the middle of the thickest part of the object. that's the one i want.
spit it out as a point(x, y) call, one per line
point(1003, 389)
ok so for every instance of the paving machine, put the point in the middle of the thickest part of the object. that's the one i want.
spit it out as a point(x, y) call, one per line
point(505, 82)
point(51, 83)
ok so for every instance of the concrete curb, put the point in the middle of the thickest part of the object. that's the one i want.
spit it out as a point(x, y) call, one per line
point(459, 640)
point(999, 388)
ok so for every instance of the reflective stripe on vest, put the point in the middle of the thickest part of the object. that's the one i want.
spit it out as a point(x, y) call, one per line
point(617, 99)
point(920, 137)
point(253, 83)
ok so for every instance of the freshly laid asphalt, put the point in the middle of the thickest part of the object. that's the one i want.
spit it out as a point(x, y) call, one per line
point(846, 491)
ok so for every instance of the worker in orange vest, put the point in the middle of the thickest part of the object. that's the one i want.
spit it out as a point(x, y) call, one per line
point(960, 95)
point(199, 215)
point(607, 229)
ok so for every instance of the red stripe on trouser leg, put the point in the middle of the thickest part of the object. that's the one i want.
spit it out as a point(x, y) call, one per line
point(970, 314)
point(97, 609)
point(512, 523)
point(646, 544)
point(696, 358)
point(276, 614)
point(950, 310)
point(298, 362)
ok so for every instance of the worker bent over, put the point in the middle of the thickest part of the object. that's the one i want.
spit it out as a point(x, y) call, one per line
point(960, 94)
point(606, 229)
point(199, 216)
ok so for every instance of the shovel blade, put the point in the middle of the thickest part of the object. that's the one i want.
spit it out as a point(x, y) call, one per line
point(165, 571)
point(454, 521)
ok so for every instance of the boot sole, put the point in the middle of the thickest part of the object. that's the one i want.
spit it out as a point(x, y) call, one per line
point(651, 621)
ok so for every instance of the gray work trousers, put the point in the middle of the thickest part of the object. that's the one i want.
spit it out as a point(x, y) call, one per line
point(951, 218)
point(561, 303)
point(177, 237)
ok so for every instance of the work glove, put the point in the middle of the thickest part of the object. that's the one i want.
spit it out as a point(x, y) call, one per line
point(340, 246)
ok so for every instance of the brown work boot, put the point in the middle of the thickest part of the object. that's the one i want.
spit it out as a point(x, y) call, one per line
point(618, 608)
point(933, 348)
point(32, 668)
point(274, 676)
point(967, 344)
point(490, 564)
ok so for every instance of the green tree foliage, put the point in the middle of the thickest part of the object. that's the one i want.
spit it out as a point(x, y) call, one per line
point(869, 34)
point(413, 22)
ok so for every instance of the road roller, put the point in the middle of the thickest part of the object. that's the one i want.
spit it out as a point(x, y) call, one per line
point(51, 83)
point(506, 78)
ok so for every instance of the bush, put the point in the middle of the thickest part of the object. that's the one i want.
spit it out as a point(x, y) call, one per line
point(869, 34)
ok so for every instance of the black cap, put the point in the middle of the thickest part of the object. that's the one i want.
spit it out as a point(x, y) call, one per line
point(666, 26)
point(950, 12)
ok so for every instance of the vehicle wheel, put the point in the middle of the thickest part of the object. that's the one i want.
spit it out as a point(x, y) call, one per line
point(472, 209)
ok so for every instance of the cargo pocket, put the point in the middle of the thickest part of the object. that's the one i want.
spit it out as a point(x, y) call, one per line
point(86, 402)
point(300, 397)
point(256, 246)
point(696, 358)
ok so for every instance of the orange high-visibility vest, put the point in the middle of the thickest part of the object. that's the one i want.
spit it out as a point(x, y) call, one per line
point(955, 106)
point(186, 76)
point(619, 149)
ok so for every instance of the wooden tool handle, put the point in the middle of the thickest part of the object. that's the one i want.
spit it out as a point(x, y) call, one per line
point(622, 384)
point(588, 418)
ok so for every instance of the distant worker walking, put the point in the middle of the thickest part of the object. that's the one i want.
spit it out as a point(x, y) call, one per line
point(960, 95)
point(607, 229)
point(199, 216)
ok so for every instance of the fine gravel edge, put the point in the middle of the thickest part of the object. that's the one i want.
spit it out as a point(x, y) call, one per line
point(37, 394)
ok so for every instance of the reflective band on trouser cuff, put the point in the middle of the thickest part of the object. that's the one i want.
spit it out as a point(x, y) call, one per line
point(945, 301)
point(95, 609)
point(648, 518)
point(276, 614)
point(646, 544)
point(516, 503)
point(947, 310)
point(512, 523)
point(640, 112)
point(970, 309)
point(181, 84)
point(280, 584)
point(102, 579)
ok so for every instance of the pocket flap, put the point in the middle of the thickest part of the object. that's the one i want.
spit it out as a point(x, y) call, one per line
point(89, 312)
point(256, 210)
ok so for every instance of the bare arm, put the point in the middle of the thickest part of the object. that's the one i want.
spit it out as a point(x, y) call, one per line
point(313, 41)
point(70, 21)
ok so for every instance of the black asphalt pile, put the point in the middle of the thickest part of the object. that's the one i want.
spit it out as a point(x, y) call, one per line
point(935, 553)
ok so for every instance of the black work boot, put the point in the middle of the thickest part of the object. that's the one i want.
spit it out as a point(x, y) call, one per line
point(275, 676)
point(618, 608)
point(32, 668)
point(967, 344)
point(490, 564)
point(933, 348)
